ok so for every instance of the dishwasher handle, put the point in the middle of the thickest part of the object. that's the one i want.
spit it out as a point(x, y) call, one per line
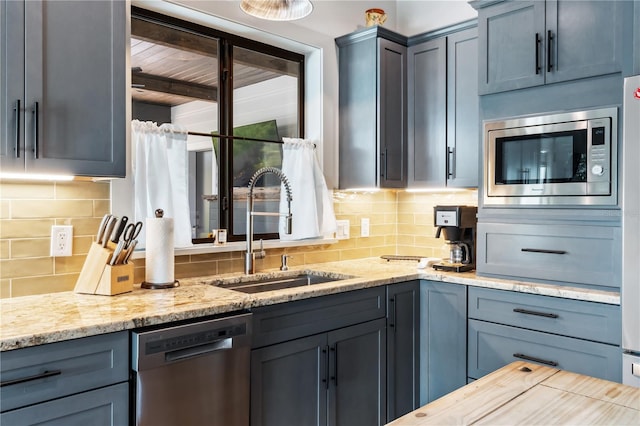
point(187, 353)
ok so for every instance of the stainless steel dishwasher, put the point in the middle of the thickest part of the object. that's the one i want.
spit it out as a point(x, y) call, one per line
point(193, 374)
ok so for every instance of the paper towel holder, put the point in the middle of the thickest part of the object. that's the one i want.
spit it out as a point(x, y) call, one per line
point(159, 213)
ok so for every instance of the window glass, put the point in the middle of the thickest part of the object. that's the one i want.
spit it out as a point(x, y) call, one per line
point(175, 79)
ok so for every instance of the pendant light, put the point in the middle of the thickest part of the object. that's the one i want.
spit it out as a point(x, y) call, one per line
point(277, 10)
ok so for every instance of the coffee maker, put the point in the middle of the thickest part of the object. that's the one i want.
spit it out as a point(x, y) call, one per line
point(459, 226)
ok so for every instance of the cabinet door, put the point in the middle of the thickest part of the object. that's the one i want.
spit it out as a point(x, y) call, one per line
point(584, 38)
point(357, 366)
point(75, 87)
point(427, 139)
point(358, 130)
point(463, 119)
point(403, 336)
point(289, 383)
point(511, 37)
point(392, 118)
point(11, 86)
point(443, 339)
point(107, 406)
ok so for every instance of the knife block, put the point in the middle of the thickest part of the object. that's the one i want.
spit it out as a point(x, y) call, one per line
point(97, 277)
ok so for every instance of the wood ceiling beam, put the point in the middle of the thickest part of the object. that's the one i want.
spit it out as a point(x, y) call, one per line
point(175, 87)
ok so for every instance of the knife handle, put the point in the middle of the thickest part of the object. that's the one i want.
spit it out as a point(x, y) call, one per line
point(119, 229)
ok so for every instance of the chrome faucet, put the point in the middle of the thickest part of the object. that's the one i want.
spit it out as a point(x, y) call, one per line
point(250, 256)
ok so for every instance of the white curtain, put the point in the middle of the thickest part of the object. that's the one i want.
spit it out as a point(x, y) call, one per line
point(160, 173)
point(312, 205)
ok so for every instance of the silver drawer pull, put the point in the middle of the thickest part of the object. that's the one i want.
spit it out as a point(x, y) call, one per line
point(534, 250)
point(538, 314)
point(534, 359)
point(31, 378)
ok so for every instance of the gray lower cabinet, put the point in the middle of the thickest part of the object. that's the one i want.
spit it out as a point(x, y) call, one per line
point(530, 43)
point(444, 126)
point(335, 378)
point(320, 361)
point(372, 102)
point(403, 346)
point(63, 91)
point(443, 339)
point(579, 336)
point(75, 382)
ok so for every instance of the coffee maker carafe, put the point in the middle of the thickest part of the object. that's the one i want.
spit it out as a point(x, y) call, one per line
point(458, 224)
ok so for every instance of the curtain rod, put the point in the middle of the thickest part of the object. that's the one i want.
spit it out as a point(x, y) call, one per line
point(211, 135)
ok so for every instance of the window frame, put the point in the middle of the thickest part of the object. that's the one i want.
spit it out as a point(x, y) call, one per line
point(225, 43)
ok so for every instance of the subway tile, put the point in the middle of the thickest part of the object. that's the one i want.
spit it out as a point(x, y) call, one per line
point(51, 209)
point(355, 253)
point(370, 241)
point(27, 190)
point(5, 250)
point(5, 209)
point(101, 207)
point(84, 226)
point(5, 289)
point(40, 285)
point(318, 257)
point(81, 245)
point(68, 264)
point(15, 268)
point(25, 228)
point(187, 270)
point(78, 190)
point(208, 257)
point(32, 247)
point(227, 266)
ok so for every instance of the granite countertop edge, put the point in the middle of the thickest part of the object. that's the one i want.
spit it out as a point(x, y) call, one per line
point(48, 318)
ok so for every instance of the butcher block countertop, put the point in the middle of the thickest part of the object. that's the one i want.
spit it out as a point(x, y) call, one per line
point(528, 394)
point(36, 320)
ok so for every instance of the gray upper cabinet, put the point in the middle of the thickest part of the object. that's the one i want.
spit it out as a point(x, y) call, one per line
point(444, 127)
point(530, 43)
point(372, 103)
point(64, 96)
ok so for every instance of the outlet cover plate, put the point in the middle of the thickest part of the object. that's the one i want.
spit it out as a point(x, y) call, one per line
point(61, 240)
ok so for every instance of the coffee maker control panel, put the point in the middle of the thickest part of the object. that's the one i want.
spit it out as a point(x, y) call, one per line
point(446, 218)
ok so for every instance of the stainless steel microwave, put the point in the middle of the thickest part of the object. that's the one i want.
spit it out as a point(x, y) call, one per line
point(556, 159)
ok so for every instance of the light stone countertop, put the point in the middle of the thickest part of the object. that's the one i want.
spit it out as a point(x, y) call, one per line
point(35, 320)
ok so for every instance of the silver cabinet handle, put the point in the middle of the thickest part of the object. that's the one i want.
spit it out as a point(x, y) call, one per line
point(451, 163)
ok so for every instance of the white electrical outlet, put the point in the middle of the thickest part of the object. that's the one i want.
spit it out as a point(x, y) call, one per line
point(342, 231)
point(364, 227)
point(61, 240)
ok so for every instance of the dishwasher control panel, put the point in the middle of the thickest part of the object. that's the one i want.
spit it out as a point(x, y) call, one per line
point(194, 339)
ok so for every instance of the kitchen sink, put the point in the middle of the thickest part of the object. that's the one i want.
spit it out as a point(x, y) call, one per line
point(252, 284)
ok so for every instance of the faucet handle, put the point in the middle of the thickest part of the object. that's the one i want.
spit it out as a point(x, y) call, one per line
point(285, 258)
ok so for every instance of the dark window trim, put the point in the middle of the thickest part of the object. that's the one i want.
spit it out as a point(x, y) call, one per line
point(226, 41)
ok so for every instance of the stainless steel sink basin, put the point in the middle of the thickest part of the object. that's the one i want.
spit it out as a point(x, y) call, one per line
point(252, 284)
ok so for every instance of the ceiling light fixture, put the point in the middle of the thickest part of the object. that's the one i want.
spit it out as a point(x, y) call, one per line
point(277, 10)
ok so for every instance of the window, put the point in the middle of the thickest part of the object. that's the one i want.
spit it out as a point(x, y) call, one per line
point(217, 85)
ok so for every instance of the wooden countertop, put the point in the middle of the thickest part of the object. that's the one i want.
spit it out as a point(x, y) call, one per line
point(524, 394)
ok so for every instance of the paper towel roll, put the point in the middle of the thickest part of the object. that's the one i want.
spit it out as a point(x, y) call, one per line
point(159, 267)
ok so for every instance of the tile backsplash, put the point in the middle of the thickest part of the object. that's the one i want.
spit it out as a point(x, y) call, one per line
point(400, 223)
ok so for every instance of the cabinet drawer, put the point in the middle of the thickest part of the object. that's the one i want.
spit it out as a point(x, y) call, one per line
point(41, 373)
point(492, 346)
point(567, 253)
point(292, 320)
point(573, 318)
point(101, 407)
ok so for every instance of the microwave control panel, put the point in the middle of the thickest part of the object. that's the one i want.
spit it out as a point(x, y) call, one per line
point(599, 160)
